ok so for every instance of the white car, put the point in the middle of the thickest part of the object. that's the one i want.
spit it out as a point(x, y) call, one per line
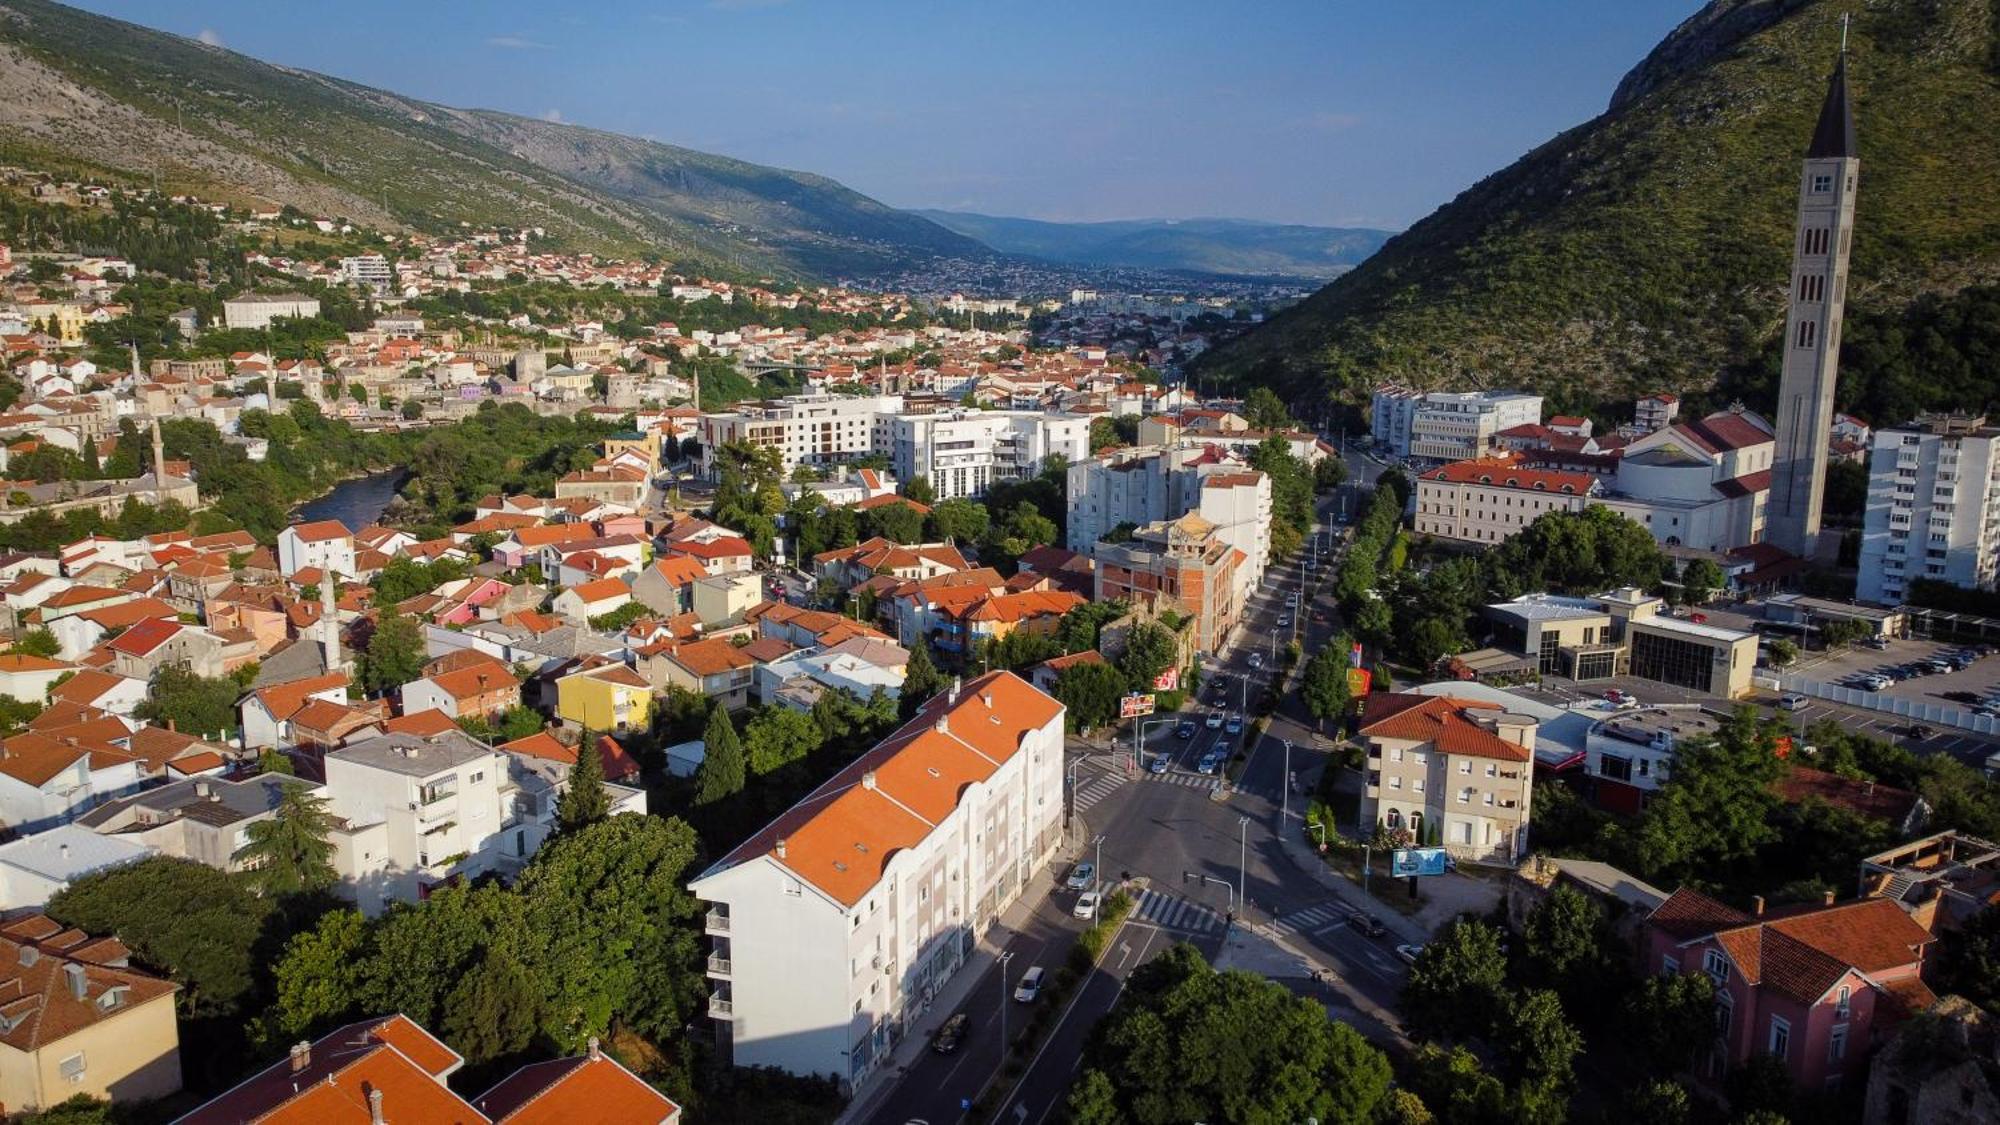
point(1086, 905)
point(1256, 660)
point(1793, 702)
point(1031, 985)
point(1409, 953)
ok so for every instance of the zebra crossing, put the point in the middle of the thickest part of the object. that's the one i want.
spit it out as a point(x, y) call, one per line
point(1313, 919)
point(1173, 912)
point(1099, 786)
point(1191, 780)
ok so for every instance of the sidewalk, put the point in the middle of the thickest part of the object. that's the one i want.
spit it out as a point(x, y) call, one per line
point(917, 1036)
point(1303, 856)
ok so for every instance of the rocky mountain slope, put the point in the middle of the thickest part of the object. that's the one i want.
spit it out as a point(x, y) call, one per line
point(1236, 247)
point(1649, 247)
point(81, 94)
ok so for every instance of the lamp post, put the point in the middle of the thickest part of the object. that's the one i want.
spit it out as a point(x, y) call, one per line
point(1242, 859)
point(1285, 796)
point(1004, 958)
point(1097, 868)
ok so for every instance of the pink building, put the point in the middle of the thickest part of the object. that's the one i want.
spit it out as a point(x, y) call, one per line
point(1815, 986)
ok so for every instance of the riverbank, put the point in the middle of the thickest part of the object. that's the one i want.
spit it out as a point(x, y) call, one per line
point(357, 501)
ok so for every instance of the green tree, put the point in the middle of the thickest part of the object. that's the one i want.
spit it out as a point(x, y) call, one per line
point(1783, 653)
point(584, 802)
point(1091, 693)
point(78, 1109)
point(1673, 1016)
point(776, 737)
point(199, 925)
point(1538, 1042)
point(1763, 1084)
point(1456, 989)
point(920, 490)
point(272, 760)
point(1264, 410)
point(1149, 651)
point(898, 523)
point(721, 773)
point(291, 852)
point(394, 654)
point(1323, 684)
point(316, 979)
point(37, 642)
point(921, 680)
point(1700, 579)
point(1373, 621)
point(494, 1011)
point(959, 521)
point(1659, 1102)
point(1456, 1088)
point(193, 704)
point(1717, 809)
point(1968, 959)
point(1568, 945)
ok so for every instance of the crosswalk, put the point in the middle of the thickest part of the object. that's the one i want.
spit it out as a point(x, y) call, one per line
point(1093, 788)
point(1173, 912)
point(1100, 786)
point(1313, 919)
point(1190, 780)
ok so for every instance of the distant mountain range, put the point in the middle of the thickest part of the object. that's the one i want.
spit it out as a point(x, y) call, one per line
point(1237, 247)
point(1649, 248)
point(84, 95)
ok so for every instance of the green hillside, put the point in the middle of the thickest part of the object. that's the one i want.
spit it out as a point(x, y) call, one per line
point(83, 94)
point(1238, 247)
point(1649, 248)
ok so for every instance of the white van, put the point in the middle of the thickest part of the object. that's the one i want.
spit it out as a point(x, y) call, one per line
point(1793, 702)
point(1031, 986)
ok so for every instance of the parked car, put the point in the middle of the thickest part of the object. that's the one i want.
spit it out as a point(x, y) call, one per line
point(1214, 720)
point(1879, 644)
point(1362, 922)
point(1620, 698)
point(1031, 985)
point(1921, 732)
point(950, 1035)
point(1159, 763)
point(1409, 953)
point(1256, 660)
point(1793, 702)
point(1284, 621)
point(1086, 905)
point(1080, 876)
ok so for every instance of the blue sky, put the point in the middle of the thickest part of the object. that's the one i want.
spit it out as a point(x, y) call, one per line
point(1338, 112)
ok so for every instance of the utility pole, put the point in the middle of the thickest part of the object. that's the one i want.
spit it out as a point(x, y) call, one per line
point(1004, 958)
point(1285, 797)
point(1242, 860)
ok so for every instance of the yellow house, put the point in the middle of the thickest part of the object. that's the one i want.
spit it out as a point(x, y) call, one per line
point(64, 318)
point(75, 1018)
point(605, 696)
point(645, 444)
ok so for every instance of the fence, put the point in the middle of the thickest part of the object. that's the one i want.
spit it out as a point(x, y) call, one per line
point(1917, 709)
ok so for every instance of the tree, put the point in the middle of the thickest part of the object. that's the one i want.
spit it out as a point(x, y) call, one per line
point(959, 521)
point(921, 680)
point(394, 654)
point(1149, 652)
point(1538, 1042)
point(1090, 692)
point(273, 760)
point(200, 925)
point(721, 772)
point(1674, 1016)
point(1329, 473)
point(1373, 621)
point(585, 802)
point(316, 979)
point(1456, 1088)
point(1717, 809)
point(920, 490)
point(78, 1109)
point(191, 703)
point(37, 642)
point(494, 1011)
point(1568, 944)
point(1264, 410)
point(776, 737)
point(1968, 960)
point(1456, 988)
point(292, 852)
point(1660, 1102)
point(1323, 684)
point(898, 523)
point(1783, 653)
point(1763, 1084)
point(1700, 579)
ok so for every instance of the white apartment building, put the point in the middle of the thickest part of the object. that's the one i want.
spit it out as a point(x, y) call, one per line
point(1493, 500)
point(964, 451)
point(370, 270)
point(836, 925)
point(1447, 425)
point(325, 544)
point(1238, 503)
point(1933, 507)
point(258, 310)
point(806, 429)
point(415, 811)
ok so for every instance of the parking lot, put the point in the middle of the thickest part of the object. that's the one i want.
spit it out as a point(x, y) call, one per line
point(1965, 688)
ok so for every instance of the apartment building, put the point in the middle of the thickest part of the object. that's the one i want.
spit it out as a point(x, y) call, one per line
point(80, 1020)
point(1488, 501)
point(814, 429)
point(205, 819)
point(1933, 507)
point(258, 310)
point(1458, 769)
point(323, 544)
point(1183, 565)
point(961, 452)
point(835, 926)
point(1448, 425)
point(418, 811)
point(1145, 486)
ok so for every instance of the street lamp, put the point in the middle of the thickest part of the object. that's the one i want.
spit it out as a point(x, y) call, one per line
point(1285, 796)
point(1004, 958)
point(1097, 868)
point(1242, 859)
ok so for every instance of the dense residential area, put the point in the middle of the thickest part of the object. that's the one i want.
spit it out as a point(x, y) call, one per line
point(622, 661)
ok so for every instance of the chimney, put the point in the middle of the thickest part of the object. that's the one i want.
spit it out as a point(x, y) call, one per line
point(986, 697)
point(201, 789)
point(173, 725)
point(375, 1107)
point(781, 847)
point(1757, 905)
point(868, 779)
point(1829, 897)
point(79, 988)
point(596, 1052)
point(302, 1056)
point(956, 684)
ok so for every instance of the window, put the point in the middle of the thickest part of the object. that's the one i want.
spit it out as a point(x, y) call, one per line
point(1836, 1043)
point(1716, 966)
point(1418, 785)
point(1781, 1038)
point(1420, 758)
point(1725, 1012)
point(1822, 184)
point(72, 1068)
point(478, 776)
point(1465, 767)
point(1491, 770)
point(1396, 755)
point(1465, 795)
point(1808, 334)
point(1670, 964)
point(1843, 1003)
point(1395, 783)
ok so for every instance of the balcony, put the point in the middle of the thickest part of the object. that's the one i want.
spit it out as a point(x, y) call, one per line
point(719, 1007)
point(718, 965)
point(716, 922)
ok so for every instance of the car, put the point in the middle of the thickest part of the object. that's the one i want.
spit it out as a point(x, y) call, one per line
point(1878, 683)
point(1793, 702)
point(1962, 696)
point(951, 1034)
point(1879, 644)
point(1031, 985)
point(1158, 763)
point(1214, 720)
point(1409, 953)
point(1086, 905)
point(1920, 732)
point(1620, 698)
point(1210, 762)
point(1080, 876)
point(1185, 730)
point(1256, 660)
point(1319, 616)
point(1941, 667)
point(1362, 922)
point(1234, 725)
point(1284, 621)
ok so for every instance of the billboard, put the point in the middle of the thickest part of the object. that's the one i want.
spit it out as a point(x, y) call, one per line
point(1408, 863)
point(1168, 680)
point(1134, 705)
point(1358, 680)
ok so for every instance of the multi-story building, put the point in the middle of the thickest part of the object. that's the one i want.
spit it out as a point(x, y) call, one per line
point(1703, 483)
point(805, 429)
point(1631, 753)
point(1145, 486)
point(1458, 769)
point(963, 451)
point(205, 819)
point(325, 544)
point(1448, 425)
point(417, 811)
point(1933, 507)
point(1182, 565)
point(80, 1020)
point(258, 310)
point(1490, 500)
point(1655, 412)
point(1622, 632)
point(836, 925)
point(369, 270)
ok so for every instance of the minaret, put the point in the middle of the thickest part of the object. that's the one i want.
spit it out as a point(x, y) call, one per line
point(159, 465)
point(329, 622)
point(1812, 327)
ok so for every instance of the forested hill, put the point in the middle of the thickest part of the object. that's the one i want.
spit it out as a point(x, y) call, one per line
point(1236, 247)
point(1649, 247)
point(84, 95)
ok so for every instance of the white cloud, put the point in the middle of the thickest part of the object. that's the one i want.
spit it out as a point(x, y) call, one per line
point(516, 43)
point(552, 115)
point(210, 36)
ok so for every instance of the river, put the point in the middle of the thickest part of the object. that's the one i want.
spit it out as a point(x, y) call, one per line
point(358, 502)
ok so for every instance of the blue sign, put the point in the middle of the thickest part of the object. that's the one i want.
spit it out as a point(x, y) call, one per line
point(1406, 863)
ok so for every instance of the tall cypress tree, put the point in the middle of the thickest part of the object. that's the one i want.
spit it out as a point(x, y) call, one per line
point(584, 803)
point(920, 681)
point(722, 770)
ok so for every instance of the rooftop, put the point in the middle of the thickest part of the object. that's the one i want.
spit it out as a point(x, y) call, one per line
point(415, 755)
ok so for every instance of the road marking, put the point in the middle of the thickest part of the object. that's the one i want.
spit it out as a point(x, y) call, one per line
point(1097, 789)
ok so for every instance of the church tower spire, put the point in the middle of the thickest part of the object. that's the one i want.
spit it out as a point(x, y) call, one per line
point(1812, 325)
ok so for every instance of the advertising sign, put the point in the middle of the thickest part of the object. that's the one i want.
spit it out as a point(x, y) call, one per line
point(1358, 680)
point(1134, 705)
point(1168, 680)
point(1407, 863)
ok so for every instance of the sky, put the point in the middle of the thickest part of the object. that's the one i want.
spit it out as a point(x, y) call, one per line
point(1329, 112)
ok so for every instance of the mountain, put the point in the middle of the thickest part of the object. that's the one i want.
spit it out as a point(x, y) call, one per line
point(82, 94)
point(1649, 248)
point(1238, 247)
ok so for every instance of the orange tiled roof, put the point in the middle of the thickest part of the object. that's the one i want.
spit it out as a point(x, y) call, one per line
point(584, 1088)
point(1440, 720)
point(320, 531)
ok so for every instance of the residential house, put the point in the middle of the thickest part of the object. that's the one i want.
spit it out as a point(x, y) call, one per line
point(267, 712)
point(1458, 769)
point(80, 1020)
point(667, 586)
point(717, 549)
point(592, 599)
point(603, 694)
point(849, 567)
point(417, 812)
point(726, 599)
point(324, 545)
point(34, 868)
point(464, 685)
point(29, 678)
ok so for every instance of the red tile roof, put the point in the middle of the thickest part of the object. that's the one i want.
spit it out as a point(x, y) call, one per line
point(1510, 474)
point(1449, 724)
point(321, 531)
